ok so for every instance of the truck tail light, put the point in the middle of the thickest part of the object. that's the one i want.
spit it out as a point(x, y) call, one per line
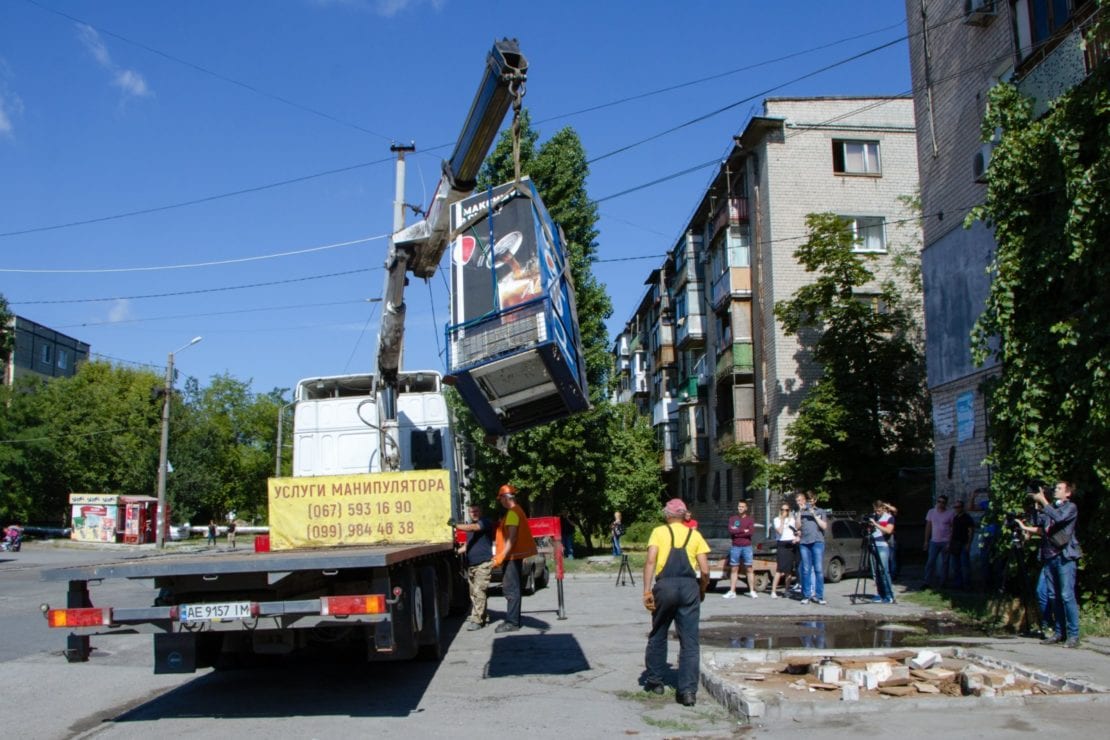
point(89, 617)
point(341, 606)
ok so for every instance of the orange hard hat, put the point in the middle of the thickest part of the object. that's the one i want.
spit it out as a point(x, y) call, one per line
point(506, 490)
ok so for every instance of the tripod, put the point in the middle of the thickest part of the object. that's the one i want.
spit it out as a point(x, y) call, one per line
point(1015, 555)
point(868, 558)
point(625, 568)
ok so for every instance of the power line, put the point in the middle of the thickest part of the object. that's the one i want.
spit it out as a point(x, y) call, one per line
point(195, 201)
point(215, 263)
point(208, 314)
point(197, 291)
point(717, 76)
point(361, 334)
point(340, 170)
point(730, 106)
point(212, 73)
point(657, 181)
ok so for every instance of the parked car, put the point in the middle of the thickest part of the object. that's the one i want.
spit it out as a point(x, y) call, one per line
point(534, 574)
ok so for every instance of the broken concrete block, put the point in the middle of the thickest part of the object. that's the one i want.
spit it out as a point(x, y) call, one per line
point(985, 691)
point(933, 674)
point(828, 673)
point(925, 688)
point(998, 679)
point(898, 690)
point(971, 681)
point(870, 681)
point(849, 691)
point(895, 682)
point(924, 659)
point(858, 676)
point(880, 670)
point(899, 671)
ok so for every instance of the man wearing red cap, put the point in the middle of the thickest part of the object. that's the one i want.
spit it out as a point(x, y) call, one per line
point(514, 544)
point(677, 559)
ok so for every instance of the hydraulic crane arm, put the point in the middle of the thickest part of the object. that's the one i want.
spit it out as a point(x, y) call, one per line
point(419, 248)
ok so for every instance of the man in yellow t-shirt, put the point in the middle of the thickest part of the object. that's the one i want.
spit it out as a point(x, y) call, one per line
point(678, 563)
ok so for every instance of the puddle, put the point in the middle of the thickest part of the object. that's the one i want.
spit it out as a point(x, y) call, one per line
point(850, 632)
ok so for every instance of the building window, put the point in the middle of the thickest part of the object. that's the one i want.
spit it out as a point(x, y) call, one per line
point(63, 359)
point(856, 157)
point(869, 233)
point(46, 356)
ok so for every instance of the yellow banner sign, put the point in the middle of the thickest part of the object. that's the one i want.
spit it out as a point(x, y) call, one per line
point(367, 509)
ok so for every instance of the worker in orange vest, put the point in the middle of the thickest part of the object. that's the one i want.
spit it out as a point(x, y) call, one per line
point(514, 543)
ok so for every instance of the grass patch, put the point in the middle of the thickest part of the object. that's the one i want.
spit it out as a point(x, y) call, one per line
point(987, 612)
point(581, 565)
point(646, 697)
point(992, 612)
point(669, 724)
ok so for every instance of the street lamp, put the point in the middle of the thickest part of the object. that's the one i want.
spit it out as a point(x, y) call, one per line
point(161, 528)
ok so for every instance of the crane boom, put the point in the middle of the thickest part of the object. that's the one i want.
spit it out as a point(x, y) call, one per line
point(418, 248)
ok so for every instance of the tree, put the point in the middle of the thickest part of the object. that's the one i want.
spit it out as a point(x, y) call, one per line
point(7, 335)
point(867, 415)
point(1047, 316)
point(223, 448)
point(599, 460)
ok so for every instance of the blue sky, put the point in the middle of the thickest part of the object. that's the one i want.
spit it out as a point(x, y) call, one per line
point(129, 105)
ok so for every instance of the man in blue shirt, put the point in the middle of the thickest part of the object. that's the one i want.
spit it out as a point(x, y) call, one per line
point(479, 563)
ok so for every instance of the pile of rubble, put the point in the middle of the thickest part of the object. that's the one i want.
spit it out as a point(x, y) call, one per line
point(897, 674)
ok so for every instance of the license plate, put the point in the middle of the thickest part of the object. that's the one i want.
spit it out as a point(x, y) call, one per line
point(214, 612)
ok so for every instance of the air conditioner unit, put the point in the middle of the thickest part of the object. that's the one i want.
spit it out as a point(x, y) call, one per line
point(981, 161)
point(978, 12)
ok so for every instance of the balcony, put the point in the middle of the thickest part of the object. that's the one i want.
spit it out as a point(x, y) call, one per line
point(692, 389)
point(691, 331)
point(740, 431)
point(693, 449)
point(639, 383)
point(664, 410)
point(1054, 65)
point(739, 359)
point(732, 212)
point(735, 282)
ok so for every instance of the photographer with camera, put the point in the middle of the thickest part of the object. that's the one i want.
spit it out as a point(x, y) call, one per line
point(880, 527)
point(1059, 552)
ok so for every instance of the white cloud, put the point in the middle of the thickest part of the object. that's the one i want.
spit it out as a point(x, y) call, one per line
point(385, 8)
point(131, 82)
point(11, 106)
point(120, 311)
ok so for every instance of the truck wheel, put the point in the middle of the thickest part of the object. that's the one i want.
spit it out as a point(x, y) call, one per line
point(431, 634)
point(762, 582)
point(834, 571)
point(530, 582)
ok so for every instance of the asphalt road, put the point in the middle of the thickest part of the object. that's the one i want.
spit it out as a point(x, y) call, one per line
point(572, 678)
point(575, 678)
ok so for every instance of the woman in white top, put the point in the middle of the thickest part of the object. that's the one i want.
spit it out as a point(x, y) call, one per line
point(787, 549)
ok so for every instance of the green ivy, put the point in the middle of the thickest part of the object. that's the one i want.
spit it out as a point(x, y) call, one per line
point(1047, 316)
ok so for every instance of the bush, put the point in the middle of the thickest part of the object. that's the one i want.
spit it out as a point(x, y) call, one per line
point(639, 532)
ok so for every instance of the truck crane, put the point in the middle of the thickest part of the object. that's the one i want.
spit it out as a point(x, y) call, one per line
point(360, 553)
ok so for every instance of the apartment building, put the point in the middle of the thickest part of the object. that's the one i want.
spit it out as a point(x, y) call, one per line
point(728, 372)
point(41, 351)
point(959, 50)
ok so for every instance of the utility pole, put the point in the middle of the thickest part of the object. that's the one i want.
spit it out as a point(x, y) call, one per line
point(160, 530)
